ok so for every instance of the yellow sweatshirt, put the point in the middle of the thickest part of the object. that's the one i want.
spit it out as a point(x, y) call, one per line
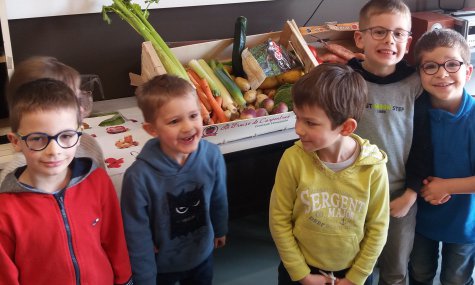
point(330, 220)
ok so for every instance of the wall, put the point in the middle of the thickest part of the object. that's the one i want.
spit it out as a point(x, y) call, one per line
point(87, 43)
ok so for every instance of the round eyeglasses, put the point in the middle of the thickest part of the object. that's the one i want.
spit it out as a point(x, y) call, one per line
point(451, 66)
point(380, 33)
point(39, 141)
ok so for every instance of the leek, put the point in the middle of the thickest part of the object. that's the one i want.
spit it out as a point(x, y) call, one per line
point(138, 19)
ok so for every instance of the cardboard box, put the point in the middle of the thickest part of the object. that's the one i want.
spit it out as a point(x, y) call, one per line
point(291, 37)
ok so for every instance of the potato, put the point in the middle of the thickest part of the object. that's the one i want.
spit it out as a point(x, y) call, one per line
point(250, 96)
point(270, 92)
point(242, 83)
point(260, 97)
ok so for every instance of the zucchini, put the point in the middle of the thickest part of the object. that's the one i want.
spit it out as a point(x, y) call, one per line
point(239, 44)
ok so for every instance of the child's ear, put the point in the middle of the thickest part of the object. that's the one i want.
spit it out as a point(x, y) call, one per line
point(408, 44)
point(15, 141)
point(348, 127)
point(468, 71)
point(358, 37)
point(150, 129)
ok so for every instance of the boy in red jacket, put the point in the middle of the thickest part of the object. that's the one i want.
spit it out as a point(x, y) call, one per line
point(60, 221)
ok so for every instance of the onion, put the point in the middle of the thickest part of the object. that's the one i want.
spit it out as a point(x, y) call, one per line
point(260, 98)
point(267, 104)
point(280, 108)
point(261, 112)
point(247, 113)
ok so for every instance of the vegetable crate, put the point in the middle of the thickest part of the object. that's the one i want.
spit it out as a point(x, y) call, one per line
point(290, 37)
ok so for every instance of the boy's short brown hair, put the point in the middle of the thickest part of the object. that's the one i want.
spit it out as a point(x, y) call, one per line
point(336, 88)
point(41, 95)
point(37, 67)
point(152, 95)
point(447, 38)
point(378, 7)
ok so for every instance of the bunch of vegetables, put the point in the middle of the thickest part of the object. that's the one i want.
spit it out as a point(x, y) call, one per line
point(138, 19)
point(223, 96)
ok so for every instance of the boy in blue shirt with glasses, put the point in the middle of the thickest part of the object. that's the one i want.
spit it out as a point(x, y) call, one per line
point(443, 161)
point(60, 221)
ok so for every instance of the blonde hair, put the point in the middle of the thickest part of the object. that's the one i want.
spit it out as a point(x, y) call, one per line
point(152, 95)
point(378, 7)
point(37, 67)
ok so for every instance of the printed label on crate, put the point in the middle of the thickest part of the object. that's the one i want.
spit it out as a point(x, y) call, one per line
point(240, 129)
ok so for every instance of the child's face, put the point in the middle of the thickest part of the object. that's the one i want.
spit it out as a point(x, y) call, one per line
point(179, 127)
point(445, 87)
point(382, 55)
point(314, 129)
point(52, 160)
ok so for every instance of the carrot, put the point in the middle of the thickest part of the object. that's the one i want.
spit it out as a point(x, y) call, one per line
point(193, 77)
point(219, 99)
point(202, 84)
point(214, 117)
point(216, 107)
point(204, 114)
point(203, 99)
point(340, 51)
point(199, 91)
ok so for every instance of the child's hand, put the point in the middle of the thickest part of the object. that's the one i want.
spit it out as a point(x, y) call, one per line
point(344, 281)
point(219, 242)
point(315, 279)
point(400, 206)
point(434, 190)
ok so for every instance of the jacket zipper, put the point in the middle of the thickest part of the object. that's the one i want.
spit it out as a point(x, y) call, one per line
point(60, 199)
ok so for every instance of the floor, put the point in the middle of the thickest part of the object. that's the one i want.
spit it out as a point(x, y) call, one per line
point(250, 256)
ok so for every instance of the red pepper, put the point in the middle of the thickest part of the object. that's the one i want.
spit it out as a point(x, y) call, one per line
point(315, 53)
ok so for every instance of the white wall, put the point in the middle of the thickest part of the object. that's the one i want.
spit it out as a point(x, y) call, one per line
point(19, 9)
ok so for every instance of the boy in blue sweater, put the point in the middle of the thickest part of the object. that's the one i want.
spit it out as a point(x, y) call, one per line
point(174, 200)
point(445, 123)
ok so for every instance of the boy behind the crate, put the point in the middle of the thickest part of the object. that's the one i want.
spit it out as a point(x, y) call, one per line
point(393, 87)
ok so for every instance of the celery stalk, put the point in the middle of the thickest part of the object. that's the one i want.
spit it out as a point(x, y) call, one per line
point(133, 14)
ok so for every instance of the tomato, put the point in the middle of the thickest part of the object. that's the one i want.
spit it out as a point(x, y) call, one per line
point(314, 53)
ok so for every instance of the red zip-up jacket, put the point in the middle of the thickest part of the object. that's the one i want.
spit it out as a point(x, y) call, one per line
point(72, 237)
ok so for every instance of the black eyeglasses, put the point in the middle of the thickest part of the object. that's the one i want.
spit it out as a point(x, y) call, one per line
point(451, 66)
point(39, 141)
point(380, 33)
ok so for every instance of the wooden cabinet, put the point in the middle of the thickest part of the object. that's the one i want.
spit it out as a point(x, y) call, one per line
point(6, 58)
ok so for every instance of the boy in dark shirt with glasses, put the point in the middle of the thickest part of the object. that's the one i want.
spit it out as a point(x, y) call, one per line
point(393, 87)
point(60, 221)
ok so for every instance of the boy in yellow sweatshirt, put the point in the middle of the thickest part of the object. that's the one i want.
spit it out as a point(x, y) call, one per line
point(329, 208)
